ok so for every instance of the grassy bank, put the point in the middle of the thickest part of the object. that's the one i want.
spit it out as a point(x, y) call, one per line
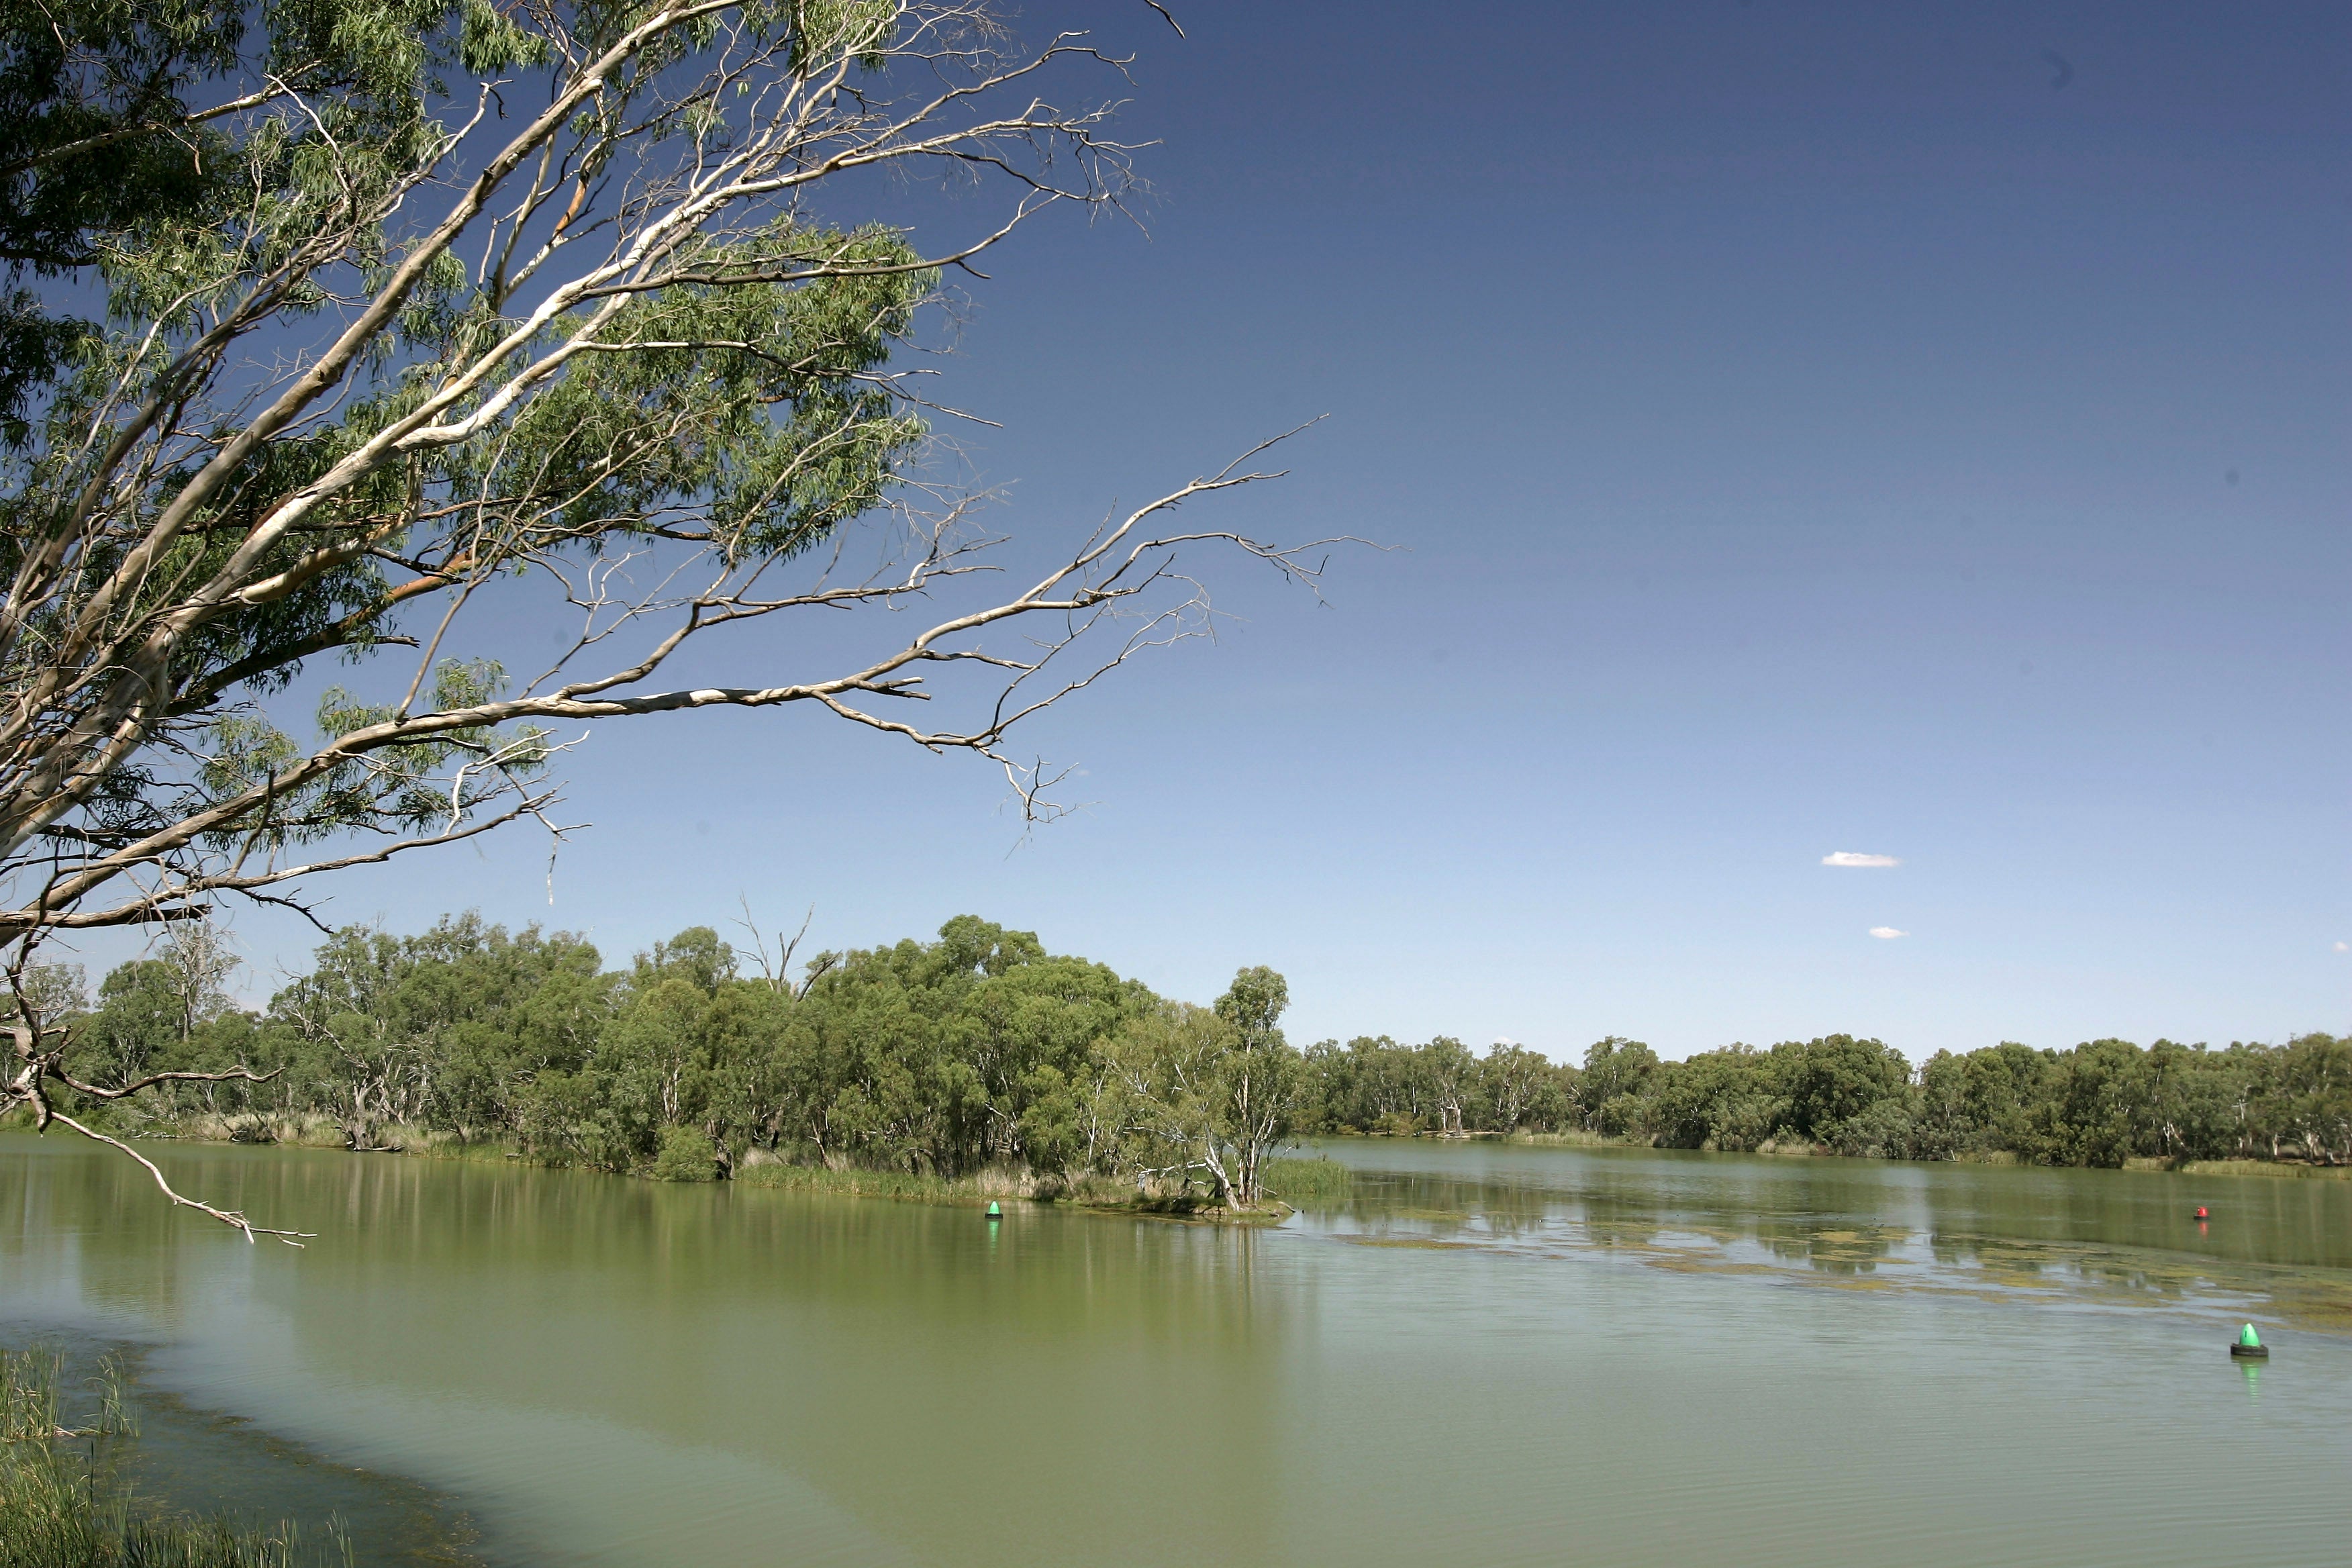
point(311, 1132)
point(1582, 1140)
point(2255, 1168)
point(56, 1513)
point(62, 1503)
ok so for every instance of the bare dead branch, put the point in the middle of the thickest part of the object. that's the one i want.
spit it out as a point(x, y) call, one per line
point(231, 1217)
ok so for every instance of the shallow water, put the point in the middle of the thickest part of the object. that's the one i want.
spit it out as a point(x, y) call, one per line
point(1487, 1356)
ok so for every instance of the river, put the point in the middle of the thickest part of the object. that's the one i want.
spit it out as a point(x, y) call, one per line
point(1487, 1355)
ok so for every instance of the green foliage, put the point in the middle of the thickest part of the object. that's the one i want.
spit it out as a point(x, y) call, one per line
point(978, 1050)
point(84, 88)
point(1256, 998)
point(1617, 1074)
point(1373, 1084)
point(982, 1052)
point(1832, 1080)
point(825, 32)
point(1730, 1098)
point(2102, 1103)
point(615, 353)
point(1253, 1086)
point(685, 1155)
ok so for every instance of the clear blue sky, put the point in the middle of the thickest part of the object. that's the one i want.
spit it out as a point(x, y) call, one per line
point(1916, 431)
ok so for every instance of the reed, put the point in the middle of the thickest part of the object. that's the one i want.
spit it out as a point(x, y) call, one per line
point(30, 1380)
point(307, 1131)
point(432, 1143)
point(2255, 1168)
point(63, 1505)
point(28, 1394)
point(910, 1185)
point(1293, 1180)
point(1568, 1138)
point(56, 1514)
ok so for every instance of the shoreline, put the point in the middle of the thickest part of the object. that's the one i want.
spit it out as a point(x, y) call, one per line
point(1091, 1195)
point(1096, 1195)
point(182, 1463)
point(1999, 1157)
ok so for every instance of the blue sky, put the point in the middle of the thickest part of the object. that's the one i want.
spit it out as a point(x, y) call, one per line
point(1794, 428)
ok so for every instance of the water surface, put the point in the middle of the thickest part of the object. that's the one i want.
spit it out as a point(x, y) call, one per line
point(1487, 1356)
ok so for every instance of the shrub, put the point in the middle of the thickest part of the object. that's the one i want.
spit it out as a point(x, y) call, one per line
point(1883, 1130)
point(687, 1154)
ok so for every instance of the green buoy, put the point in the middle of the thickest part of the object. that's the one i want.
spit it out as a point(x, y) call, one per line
point(2250, 1346)
point(995, 1213)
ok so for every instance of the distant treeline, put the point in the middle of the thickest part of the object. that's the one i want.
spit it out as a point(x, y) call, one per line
point(980, 1050)
point(2100, 1103)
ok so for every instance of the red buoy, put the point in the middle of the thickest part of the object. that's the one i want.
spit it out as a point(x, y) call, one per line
point(2201, 1211)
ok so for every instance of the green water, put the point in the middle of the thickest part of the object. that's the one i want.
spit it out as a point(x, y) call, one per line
point(1487, 1355)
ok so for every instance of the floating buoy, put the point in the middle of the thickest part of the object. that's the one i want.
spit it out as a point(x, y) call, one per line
point(2250, 1346)
point(995, 1213)
point(2201, 1211)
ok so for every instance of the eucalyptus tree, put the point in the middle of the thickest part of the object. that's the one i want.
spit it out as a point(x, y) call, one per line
point(1518, 1086)
point(1616, 1075)
point(2312, 1098)
point(1165, 1094)
point(1451, 1072)
point(426, 321)
point(1836, 1079)
point(151, 1007)
point(1259, 1083)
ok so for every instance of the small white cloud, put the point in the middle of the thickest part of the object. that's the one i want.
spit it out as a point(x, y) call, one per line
point(2344, 947)
point(1848, 857)
point(1886, 933)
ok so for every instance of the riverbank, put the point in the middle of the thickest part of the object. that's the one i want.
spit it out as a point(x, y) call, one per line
point(1286, 1182)
point(1787, 1148)
point(1297, 1181)
point(82, 1486)
point(53, 1513)
point(2242, 1168)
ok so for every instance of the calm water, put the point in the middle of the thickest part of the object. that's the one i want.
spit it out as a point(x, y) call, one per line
point(1488, 1355)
